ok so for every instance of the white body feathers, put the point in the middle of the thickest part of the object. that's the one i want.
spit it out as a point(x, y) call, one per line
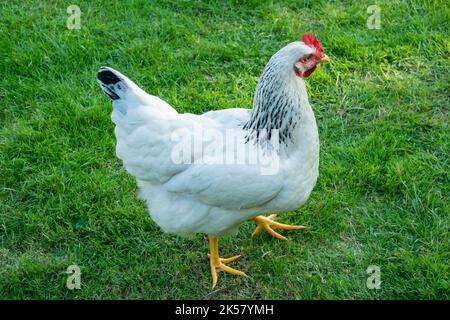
point(199, 197)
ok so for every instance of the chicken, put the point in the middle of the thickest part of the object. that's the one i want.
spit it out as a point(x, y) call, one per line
point(243, 164)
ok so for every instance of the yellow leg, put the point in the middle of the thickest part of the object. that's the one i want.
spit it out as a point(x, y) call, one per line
point(217, 263)
point(268, 224)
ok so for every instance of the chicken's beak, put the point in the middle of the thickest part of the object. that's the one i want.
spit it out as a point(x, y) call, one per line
point(325, 59)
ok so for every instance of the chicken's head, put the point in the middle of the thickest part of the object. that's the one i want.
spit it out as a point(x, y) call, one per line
point(298, 59)
point(310, 54)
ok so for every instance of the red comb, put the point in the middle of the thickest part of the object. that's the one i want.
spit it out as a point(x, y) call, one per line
point(312, 41)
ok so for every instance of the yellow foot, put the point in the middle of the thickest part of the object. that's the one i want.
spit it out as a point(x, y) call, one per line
point(268, 224)
point(217, 263)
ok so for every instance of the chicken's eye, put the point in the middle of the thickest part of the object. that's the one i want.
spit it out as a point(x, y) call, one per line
point(306, 59)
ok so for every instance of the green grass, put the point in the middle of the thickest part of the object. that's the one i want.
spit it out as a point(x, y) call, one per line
point(382, 107)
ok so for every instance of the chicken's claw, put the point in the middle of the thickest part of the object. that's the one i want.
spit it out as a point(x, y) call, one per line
point(218, 264)
point(268, 224)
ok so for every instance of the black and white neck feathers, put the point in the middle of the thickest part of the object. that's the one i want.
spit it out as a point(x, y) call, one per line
point(279, 98)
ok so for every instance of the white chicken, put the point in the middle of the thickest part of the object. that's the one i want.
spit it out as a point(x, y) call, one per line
point(244, 162)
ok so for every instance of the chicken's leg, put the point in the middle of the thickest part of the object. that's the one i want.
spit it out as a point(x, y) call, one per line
point(268, 224)
point(217, 263)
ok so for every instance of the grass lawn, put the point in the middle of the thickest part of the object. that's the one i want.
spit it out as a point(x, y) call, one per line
point(382, 107)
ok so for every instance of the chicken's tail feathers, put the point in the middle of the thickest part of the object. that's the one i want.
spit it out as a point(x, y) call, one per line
point(114, 84)
point(126, 94)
